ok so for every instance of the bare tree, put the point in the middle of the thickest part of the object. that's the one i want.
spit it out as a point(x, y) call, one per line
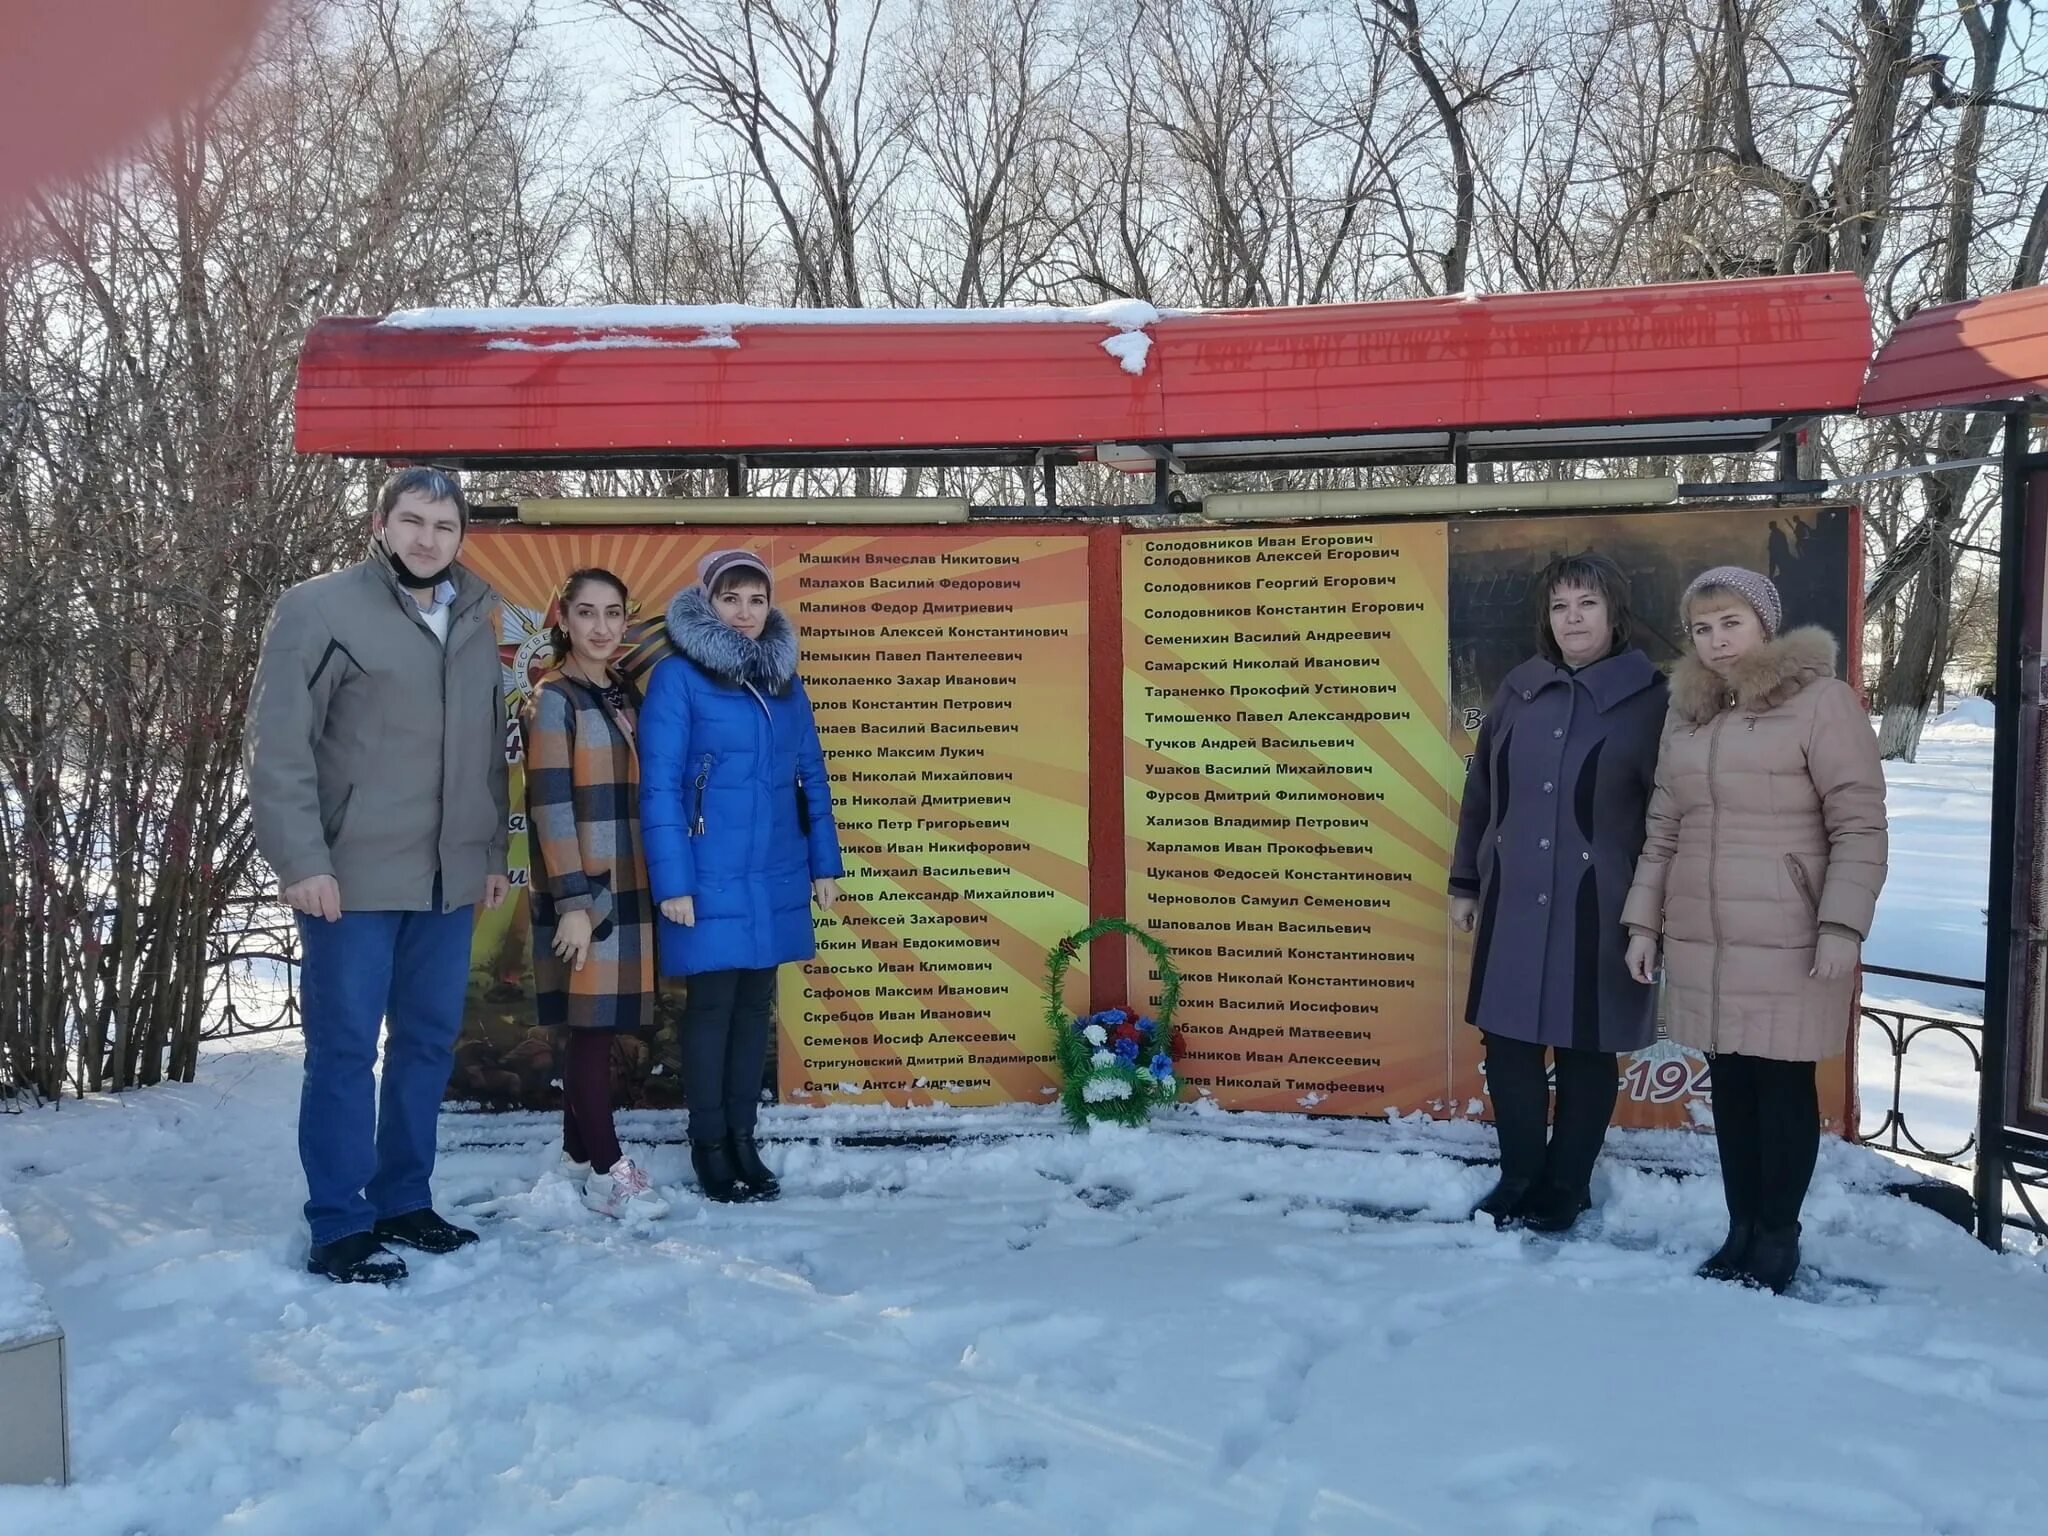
point(1919, 572)
point(793, 82)
point(1473, 71)
point(151, 506)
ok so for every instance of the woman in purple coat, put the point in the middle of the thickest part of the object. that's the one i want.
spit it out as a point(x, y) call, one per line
point(1548, 835)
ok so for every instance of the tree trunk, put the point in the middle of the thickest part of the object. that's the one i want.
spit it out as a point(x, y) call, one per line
point(1915, 673)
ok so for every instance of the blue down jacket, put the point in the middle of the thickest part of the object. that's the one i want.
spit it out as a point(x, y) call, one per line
point(726, 736)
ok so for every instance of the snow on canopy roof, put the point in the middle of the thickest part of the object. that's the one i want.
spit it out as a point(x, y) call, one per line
point(611, 327)
point(1572, 373)
point(1124, 314)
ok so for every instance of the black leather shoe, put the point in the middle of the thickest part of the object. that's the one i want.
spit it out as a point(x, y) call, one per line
point(1505, 1200)
point(716, 1175)
point(1727, 1261)
point(358, 1259)
point(425, 1231)
point(1773, 1258)
point(746, 1162)
point(1551, 1209)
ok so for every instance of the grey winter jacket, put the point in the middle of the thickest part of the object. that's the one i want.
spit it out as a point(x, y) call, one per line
point(375, 753)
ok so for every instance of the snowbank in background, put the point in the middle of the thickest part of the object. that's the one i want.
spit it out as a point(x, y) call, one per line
point(1968, 715)
point(1170, 1333)
point(1931, 914)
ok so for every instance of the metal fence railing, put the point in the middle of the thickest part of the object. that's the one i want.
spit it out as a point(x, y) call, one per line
point(1901, 1029)
point(254, 961)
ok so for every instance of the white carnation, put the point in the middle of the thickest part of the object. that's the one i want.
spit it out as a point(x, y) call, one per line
point(1105, 1086)
point(1095, 1034)
point(1102, 1059)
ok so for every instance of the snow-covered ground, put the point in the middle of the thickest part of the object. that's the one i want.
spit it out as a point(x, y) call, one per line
point(1139, 1331)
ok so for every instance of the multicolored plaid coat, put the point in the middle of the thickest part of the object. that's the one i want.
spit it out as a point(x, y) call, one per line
point(583, 820)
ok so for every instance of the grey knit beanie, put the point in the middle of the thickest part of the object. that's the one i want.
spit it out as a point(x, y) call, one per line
point(1758, 590)
point(721, 561)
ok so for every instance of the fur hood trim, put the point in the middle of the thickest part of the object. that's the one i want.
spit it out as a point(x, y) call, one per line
point(697, 633)
point(1764, 679)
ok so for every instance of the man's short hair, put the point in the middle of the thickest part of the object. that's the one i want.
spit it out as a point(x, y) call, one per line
point(434, 484)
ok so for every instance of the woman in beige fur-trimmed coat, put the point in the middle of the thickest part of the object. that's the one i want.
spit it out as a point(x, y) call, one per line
point(1760, 872)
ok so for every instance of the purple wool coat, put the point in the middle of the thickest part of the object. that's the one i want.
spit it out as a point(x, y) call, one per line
point(1548, 835)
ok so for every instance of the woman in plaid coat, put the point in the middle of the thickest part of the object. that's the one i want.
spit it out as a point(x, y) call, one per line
point(593, 918)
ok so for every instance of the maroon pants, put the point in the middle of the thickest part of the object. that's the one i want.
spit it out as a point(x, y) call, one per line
point(587, 1133)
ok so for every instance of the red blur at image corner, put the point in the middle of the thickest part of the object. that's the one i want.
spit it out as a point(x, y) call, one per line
point(83, 80)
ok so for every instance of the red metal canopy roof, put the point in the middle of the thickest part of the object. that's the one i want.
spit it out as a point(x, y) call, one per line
point(1981, 350)
point(1672, 367)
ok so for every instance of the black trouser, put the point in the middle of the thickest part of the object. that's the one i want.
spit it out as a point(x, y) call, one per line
point(725, 1049)
point(1767, 1123)
point(1516, 1079)
point(587, 1132)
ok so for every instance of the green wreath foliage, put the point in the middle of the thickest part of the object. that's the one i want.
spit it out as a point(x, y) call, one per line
point(1141, 1076)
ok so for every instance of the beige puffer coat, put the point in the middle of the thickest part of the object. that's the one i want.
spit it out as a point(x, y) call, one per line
point(1767, 822)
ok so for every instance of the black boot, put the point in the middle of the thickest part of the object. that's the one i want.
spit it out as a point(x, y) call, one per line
point(716, 1175)
point(1518, 1084)
point(358, 1259)
point(1738, 1138)
point(1505, 1200)
point(755, 1174)
point(1789, 1126)
point(1727, 1261)
point(426, 1231)
point(1551, 1208)
point(1773, 1258)
point(1587, 1082)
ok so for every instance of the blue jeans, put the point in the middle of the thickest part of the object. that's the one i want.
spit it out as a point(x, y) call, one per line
point(369, 1158)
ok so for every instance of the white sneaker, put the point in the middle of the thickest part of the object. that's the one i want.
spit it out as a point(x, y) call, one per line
point(624, 1193)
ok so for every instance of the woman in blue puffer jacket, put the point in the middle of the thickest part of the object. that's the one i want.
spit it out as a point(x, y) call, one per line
point(736, 816)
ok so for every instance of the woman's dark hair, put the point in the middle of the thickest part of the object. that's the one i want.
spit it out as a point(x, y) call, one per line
point(577, 581)
point(739, 576)
point(1596, 573)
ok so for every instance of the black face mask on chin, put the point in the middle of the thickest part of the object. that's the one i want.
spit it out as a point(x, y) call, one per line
point(404, 572)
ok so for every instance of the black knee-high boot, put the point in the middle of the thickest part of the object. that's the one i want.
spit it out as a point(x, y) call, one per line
point(1587, 1084)
point(1518, 1084)
point(1788, 1138)
point(1736, 1134)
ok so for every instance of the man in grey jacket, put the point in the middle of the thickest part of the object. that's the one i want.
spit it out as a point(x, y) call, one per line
point(376, 760)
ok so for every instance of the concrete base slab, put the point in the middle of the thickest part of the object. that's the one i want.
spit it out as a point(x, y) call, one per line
point(35, 1439)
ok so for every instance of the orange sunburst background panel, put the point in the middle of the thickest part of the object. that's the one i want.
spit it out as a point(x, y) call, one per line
point(949, 674)
point(1290, 796)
